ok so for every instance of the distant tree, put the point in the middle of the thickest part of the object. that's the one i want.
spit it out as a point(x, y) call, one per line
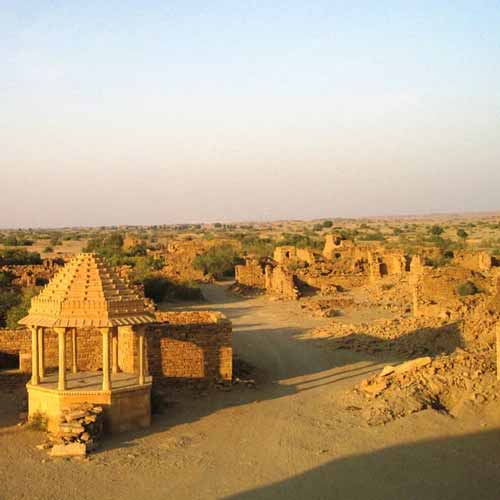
point(436, 230)
point(462, 234)
point(327, 223)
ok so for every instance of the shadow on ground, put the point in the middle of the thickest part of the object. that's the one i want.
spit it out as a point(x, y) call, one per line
point(438, 469)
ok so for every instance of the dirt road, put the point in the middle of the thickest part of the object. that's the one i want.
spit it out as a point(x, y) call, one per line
point(289, 438)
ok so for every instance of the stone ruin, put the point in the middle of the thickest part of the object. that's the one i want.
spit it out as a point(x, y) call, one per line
point(91, 340)
point(35, 274)
point(342, 264)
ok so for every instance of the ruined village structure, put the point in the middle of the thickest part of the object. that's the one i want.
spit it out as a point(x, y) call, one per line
point(90, 338)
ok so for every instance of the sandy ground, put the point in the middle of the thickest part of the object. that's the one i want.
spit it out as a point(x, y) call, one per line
point(289, 438)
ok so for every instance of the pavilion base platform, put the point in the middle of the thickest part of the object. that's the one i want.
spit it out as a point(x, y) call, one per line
point(127, 405)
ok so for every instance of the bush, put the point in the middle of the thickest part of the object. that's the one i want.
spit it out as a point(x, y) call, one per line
point(218, 261)
point(327, 223)
point(6, 278)
point(467, 288)
point(310, 240)
point(260, 247)
point(15, 313)
point(14, 241)
point(436, 230)
point(18, 257)
point(462, 234)
point(145, 267)
point(159, 289)
point(373, 236)
point(48, 249)
point(8, 300)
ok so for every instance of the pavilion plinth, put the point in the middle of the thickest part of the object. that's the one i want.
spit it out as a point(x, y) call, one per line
point(127, 405)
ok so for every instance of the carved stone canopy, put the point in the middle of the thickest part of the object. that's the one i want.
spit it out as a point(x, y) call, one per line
point(87, 293)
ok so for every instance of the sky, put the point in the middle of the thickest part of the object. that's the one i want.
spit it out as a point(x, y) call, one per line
point(154, 112)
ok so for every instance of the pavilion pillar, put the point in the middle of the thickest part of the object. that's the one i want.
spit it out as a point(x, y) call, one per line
point(114, 342)
point(106, 377)
point(35, 374)
point(41, 352)
point(141, 355)
point(74, 366)
point(61, 334)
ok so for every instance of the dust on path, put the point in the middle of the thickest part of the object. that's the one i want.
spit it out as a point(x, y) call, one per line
point(290, 438)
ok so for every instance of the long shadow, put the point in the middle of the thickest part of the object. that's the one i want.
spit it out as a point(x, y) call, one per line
point(425, 341)
point(274, 353)
point(457, 468)
point(13, 396)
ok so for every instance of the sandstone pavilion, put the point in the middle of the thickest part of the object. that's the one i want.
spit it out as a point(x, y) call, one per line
point(86, 294)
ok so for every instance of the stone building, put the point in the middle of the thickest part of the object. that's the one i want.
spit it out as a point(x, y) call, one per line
point(107, 346)
point(87, 294)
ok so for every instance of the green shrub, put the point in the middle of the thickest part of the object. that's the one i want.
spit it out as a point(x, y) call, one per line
point(462, 234)
point(254, 245)
point(18, 257)
point(6, 278)
point(372, 236)
point(15, 313)
point(298, 240)
point(159, 289)
point(467, 288)
point(14, 241)
point(8, 300)
point(48, 249)
point(327, 223)
point(436, 230)
point(218, 261)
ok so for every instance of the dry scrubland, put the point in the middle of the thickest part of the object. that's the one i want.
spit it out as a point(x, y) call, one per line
point(365, 361)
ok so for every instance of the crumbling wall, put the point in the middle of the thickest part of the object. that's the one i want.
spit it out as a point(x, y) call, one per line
point(33, 275)
point(252, 274)
point(306, 255)
point(180, 345)
point(179, 257)
point(479, 261)
point(284, 254)
point(335, 243)
point(435, 290)
point(190, 345)
point(281, 281)
point(383, 264)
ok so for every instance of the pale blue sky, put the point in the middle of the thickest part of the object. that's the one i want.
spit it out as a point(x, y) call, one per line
point(157, 112)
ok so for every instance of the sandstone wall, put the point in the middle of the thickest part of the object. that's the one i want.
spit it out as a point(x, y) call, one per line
point(306, 255)
point(252, 274)
point(284, 254)
point(282, 282)
point(190, 345)
point(180, 345)
point(474, 260)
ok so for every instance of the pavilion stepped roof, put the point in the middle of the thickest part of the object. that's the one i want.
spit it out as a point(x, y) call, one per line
point(87, 293)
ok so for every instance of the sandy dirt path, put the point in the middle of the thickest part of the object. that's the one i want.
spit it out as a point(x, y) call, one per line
point(289, 438)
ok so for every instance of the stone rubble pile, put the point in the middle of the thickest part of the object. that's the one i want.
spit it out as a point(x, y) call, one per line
point(410, 336)
point(447, 383)
point(80, 431)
